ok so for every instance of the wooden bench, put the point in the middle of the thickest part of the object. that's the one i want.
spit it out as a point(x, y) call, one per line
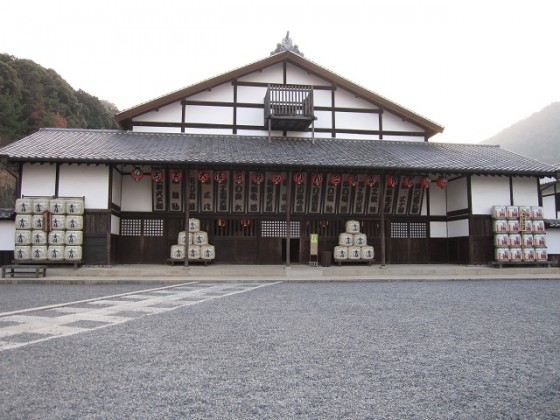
point(174, 261)
point(15, 268)
point(339, 262)
point(75, 263)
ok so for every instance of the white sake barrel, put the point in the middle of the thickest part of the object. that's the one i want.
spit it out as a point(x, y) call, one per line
point(57, 206)
point(502, 254)
point(525, 211)
point(58, 222)
point(501, 239)
point(37, 221)
point(24, 206)
point(39, 253)
point(539, 240)
point(352, 226)
point(55, 253)
point(40, 205)
point(207, 252)
point(346, 239)
point(184, 239)
point(194, 252)
point(23, 221)
point(194, 225)
point(515, 254)
point(537, 212)
point(23, 237)
point(341, 252)
point(367, 253)
point(56, 237)
point(528, 254)
point(38, 237)
point(527, 240)
point(177, 252)
point(354, 252)
point(541, 254)
point(72, 253)
point(512, 212)
point(514, 239)
point(500, 226)
point(513, 225)
point(499, 212)
point(22, 253)
point(73, 237)
point(538, 226)
point(360, 239)
point(75, 206)
point(74, 222)
point(200, 238)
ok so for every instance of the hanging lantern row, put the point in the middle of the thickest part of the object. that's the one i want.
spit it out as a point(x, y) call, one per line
point(299, 178)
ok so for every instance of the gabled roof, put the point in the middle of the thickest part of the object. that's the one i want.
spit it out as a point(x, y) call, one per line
point(287, 56)
point(228, 151)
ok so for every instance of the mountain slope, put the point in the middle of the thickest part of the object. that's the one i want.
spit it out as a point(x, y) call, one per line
point(537, 136)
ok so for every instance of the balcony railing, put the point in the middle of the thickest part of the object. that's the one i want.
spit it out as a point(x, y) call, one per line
point(288, 107)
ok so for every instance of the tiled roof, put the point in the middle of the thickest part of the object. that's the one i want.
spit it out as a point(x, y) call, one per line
point(74, 145)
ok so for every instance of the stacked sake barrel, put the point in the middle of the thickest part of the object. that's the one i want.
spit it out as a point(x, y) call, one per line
point(49, 229)
point(193, 244)
point(519, 234)
point(352, 245)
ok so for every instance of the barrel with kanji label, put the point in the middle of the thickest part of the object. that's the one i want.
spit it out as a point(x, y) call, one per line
point(73, 253)
point(55, 253)
point(22, 253)
point(177, 252)
point(207, 252)
point(23, 237)
point(341, 252)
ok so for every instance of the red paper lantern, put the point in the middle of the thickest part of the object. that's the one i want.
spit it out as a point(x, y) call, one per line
point(137, 173)
point(425, 181)
point(317, 179)
point(157, 175)
point(408, 181)
point(441, 182)
point(392, 181)
point(371, 180)
point(353, 179)
point(220, 176)
point(276, 178)
point(175, 175)
point(335, 179)
point(203, 176)
point(299, 178)
point(239, 177)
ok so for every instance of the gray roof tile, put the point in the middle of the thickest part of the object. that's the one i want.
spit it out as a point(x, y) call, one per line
point(128, 147)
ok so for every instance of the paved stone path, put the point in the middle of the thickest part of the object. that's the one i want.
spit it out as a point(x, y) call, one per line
point(28, 326)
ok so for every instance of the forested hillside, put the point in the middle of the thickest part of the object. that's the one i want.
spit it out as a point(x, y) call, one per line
point(537, 136)
point(32, 97)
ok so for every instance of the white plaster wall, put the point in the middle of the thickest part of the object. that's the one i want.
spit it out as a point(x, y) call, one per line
point(220, 93)
point(117, 188)
point(168, 113)
point(438, 229)
point(251, 94)
point(324, 119)
point(458, 228)
point(553, 241)
point(392, 122)
point(115, 225)
point(356, 121)
point(322, 98)
point(345, 99)
point(353, 136)
point(141, 129)
point(250, 116)
point(272, 74)
point(549, 207)
point(402, 138)
point(136, 195)
point(297, 76)
point(525, 191)
point(7, 235)
point(457, 196)
point(488, 191)
point(208, 114)
point(438, 202)
point(90, 181)
point(210, 132)
point(38, 179)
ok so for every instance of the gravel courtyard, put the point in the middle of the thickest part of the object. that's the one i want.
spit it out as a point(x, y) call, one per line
point(433, 350)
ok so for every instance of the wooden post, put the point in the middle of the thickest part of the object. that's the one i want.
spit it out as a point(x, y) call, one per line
point(383, 189)
point(187, 209)
point(288, 206)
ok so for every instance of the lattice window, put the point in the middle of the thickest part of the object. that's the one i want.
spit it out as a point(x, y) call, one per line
point(418, 230)
point(399, 230)
point(153, 227)
point(131, 227)
point(277, 229)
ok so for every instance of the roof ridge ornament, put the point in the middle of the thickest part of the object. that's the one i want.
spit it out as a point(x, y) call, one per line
point(287, 45)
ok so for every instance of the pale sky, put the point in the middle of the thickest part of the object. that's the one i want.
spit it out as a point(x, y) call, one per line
point(474, 66)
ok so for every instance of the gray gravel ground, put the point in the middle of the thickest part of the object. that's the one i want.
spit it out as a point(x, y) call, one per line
point(419, 350)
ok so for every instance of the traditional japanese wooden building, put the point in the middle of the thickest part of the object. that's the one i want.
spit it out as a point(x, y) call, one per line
point(268, 154)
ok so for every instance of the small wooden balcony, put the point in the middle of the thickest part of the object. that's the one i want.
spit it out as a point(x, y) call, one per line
point(288, 107)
